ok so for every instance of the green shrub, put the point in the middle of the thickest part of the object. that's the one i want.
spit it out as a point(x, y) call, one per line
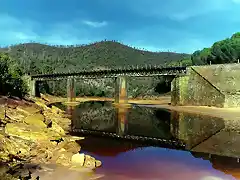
point(11, 82)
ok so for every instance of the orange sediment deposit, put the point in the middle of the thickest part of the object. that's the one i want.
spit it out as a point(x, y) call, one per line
point(36, 133)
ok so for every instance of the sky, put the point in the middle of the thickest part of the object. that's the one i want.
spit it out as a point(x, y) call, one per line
point(155, 25)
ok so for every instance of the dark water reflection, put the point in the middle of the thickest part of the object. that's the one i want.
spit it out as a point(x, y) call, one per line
point(208, 150)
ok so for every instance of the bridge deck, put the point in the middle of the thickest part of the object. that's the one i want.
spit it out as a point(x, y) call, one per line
point(110, 73)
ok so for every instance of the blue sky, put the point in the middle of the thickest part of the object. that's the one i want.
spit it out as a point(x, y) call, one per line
point(155, 25)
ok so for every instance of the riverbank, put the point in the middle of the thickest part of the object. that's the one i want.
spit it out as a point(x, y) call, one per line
point(33, 134)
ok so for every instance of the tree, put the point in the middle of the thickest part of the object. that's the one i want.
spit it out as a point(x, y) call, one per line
point(225, 51)
point(11, 82)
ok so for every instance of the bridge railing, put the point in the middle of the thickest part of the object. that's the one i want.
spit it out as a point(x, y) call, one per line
point(132, 71)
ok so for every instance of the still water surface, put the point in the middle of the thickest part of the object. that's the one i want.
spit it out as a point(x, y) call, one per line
point(146, 143)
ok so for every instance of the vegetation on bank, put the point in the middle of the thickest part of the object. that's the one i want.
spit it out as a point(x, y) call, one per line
point(11, 82)
point(35, 58)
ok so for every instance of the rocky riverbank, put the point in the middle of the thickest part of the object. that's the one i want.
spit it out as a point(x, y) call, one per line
point(33, 133)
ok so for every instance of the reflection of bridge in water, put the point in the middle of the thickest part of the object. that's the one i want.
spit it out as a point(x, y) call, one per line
point(204, 136)
point(122, 121)
point(196, 133)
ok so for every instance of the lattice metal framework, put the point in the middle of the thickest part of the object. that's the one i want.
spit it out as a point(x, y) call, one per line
point(110, 73)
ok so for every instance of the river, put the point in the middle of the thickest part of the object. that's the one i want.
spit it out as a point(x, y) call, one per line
point(148, 143)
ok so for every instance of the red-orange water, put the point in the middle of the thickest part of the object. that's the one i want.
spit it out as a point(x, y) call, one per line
point(152, 163)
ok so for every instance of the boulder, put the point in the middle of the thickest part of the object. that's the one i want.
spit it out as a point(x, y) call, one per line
point(55, 127)
point(72, 147)
point(83, 160)
point(36, 120)
point(28, 110)
point(78, 159)
point(56, 110)
point(63, 157)
point(41, 103)
point(91, 162)
point(14, 115)
point(13, 146)
point(30, 132)
point(63, 122)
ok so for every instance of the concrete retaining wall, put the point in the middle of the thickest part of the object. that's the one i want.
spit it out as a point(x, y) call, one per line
point(215, 85)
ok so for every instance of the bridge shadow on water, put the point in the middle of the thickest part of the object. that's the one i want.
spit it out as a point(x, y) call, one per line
point(147, 143)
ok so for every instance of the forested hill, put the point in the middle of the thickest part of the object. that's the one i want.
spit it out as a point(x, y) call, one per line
point(224, 51)
point(39, 58)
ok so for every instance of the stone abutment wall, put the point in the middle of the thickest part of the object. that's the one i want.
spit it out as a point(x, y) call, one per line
point(214, 85)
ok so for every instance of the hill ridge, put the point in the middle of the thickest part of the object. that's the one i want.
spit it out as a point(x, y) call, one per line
point(41, 58)
point(93, 43)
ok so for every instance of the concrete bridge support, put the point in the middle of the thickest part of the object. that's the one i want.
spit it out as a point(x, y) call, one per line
point(71, 89)
point(121, 90)
point(34, 88)
point(179, 90)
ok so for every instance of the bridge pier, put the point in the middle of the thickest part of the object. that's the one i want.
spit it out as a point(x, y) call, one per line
point(71, 92)
point(179, 90)
point(34, 88)
point(121, 90)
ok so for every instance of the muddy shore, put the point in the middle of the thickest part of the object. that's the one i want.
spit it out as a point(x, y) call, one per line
point(34, 136)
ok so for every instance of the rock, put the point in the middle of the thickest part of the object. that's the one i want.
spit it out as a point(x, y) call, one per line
point(48, 122)
point(64, 123)
point(14, 115)
point(28, 110)
point(98, 163)
point(91, 162)
point(72, 147)
point(45, 151)
point(38, 134)
point(30, 132)
point(45, 97)
point(57, 128)
point(64, 157)
point(72, 138)
point(78, 159)
point(36, 120)
point(13, 146)
point(2, 112)
point(41, 104)
point(56, 110)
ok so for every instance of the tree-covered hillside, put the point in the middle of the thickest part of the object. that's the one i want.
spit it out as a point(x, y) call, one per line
point(225, 51)
point(39, 58)
point(35, 58)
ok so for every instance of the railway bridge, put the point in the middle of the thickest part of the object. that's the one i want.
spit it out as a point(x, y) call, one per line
point(119, 74)
point(209, 85)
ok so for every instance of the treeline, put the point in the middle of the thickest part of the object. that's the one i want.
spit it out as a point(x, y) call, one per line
point(225, 51)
